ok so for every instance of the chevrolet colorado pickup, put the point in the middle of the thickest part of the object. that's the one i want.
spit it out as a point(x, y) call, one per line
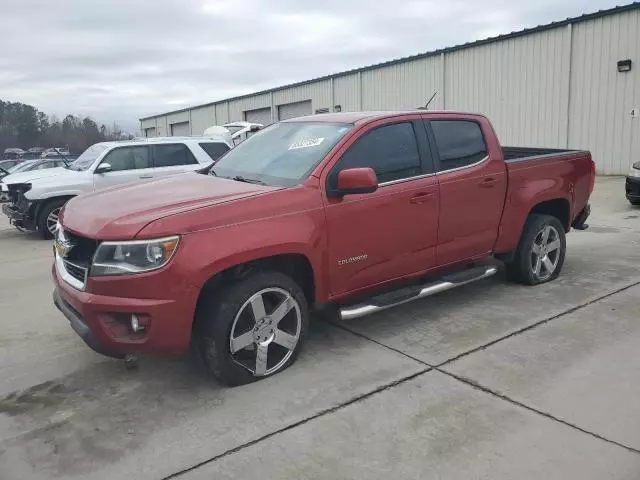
point(353, 212)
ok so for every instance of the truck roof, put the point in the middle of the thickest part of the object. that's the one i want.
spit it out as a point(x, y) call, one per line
point(358, 117)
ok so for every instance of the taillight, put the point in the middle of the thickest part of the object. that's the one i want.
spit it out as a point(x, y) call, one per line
point(592, 181)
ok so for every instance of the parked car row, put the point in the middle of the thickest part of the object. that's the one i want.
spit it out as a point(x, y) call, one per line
point(353, 213)
point(35, 153)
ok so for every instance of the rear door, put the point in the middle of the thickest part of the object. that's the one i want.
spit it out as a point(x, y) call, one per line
point(380, 236)
point(473, 185)
point(173, 158)
point(128, 164)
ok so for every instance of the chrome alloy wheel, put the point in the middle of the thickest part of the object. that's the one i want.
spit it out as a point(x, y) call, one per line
point(52, 221)
point(545, 253)
point(265, 331)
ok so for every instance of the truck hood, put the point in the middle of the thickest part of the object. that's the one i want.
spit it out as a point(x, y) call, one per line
point(27, 177)
point(119, 213)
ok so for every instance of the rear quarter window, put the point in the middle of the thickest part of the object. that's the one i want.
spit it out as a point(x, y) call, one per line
point(214, 149)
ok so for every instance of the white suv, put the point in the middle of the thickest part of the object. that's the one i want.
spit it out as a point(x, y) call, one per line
point(37, 197)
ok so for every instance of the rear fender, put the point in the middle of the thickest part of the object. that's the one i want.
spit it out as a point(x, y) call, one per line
point(519, 205)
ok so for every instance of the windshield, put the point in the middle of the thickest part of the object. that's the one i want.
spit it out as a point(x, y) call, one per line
point(89, 156)
point(282, 154)
point(21, 167)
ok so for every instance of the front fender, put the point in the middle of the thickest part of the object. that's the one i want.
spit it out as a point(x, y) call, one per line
point(210, 252)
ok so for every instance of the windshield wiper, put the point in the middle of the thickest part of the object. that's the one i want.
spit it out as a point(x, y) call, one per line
point(239, 178)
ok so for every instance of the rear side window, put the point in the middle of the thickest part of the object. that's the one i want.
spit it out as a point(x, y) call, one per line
point(391, 151)
point(128, 158)
point(214, 149)
point(460, 143)
point(172, 155)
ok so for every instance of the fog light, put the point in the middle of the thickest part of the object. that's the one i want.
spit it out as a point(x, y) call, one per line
point(135, 324)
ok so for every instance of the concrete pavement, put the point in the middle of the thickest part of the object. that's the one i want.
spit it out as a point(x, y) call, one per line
point(528, 383)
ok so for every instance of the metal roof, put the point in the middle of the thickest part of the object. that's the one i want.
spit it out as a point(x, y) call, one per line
point(520, 33)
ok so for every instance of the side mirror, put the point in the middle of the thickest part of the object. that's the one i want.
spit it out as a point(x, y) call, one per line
point(356, 180)
point(254, 128)
point(103, 168)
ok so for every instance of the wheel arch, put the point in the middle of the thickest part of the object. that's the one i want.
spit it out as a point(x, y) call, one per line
point(39, 206)
point(559, 208)
point(295, 265)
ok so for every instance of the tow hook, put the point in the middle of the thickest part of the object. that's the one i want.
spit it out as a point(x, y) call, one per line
point(131, 361)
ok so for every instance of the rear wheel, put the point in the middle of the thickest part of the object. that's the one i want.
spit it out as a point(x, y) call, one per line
point(253, 329)
point(540, 254)
point(48, 217)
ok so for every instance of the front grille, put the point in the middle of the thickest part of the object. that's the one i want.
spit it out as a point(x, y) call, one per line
point(76, 261)
point(83, 249)
point(76, 271)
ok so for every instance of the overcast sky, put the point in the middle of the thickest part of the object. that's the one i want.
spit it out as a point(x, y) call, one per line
point(119, 60)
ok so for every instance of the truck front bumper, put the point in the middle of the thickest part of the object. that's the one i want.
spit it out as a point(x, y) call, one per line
point(19, 217)
point(104, 322)
point(632, 189)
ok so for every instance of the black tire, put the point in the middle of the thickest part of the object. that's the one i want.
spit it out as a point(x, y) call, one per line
point(522, 269)
point(216, 315)
point(43, 216)
point(635, 203)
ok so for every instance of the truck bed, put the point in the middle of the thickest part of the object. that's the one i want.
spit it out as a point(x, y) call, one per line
point(517, 154)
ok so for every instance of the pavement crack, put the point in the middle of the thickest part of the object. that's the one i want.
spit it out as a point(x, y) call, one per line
point(536, 324)
point(474, 384)
point(384, 345)
point(497, 394)
point(319, 414)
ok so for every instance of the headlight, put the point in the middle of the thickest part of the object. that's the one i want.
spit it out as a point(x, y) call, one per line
point(119, 258)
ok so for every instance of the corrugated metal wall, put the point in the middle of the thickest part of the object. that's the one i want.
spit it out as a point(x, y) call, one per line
point(318, 92)
point(202, 118)
point(403, 86)
point(521, 84)
point(601, 97)
point(346, 93)
point(238, 107)
point(555, 88)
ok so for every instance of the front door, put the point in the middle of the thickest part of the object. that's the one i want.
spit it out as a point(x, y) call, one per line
point(380, 236)
point(473, 183)
point(128, 164)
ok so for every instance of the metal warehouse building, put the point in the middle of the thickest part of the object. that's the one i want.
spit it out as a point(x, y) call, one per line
point(569, 84)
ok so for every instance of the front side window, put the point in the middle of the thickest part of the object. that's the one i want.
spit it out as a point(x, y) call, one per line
point(282, 154)
point(391, 151)
point(128, 158)
point(172, 155)
point(460, 143)
point(214, 149)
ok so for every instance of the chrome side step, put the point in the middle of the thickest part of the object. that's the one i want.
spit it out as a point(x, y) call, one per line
point(409, 294)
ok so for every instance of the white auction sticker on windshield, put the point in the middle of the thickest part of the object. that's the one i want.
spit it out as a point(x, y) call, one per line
point(306, 143)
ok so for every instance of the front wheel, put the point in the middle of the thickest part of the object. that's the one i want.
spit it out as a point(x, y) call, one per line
point(48, 218)
point(540, 254)
point(253, 329)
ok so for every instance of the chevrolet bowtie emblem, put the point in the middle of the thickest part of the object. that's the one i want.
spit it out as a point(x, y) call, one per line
point(63, 246)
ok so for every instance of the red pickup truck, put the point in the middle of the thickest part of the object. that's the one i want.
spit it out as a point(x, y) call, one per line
point(361, 211)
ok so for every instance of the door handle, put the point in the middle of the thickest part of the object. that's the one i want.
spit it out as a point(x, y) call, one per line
point(488, 182)
point(146, 176)
point(421, 198)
